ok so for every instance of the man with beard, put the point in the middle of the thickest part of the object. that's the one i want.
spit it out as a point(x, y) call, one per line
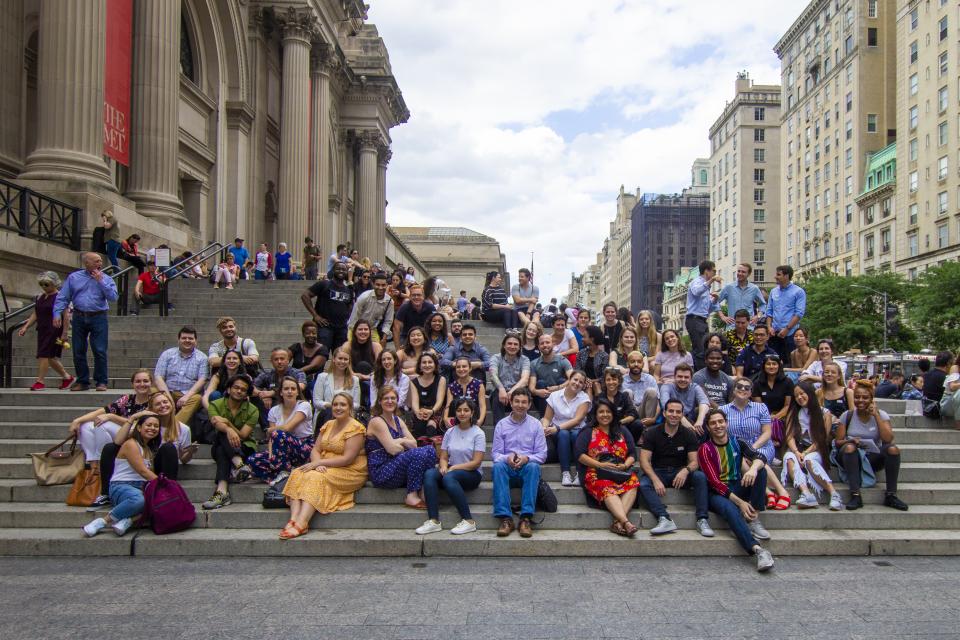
point(715, 383)
point(376, 307)
point(230, 341)
point(331, 311)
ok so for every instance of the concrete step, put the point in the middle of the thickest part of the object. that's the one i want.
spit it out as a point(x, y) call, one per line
point(328, 542)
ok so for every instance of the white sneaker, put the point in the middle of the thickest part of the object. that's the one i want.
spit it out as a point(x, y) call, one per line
point(122, 526)
point(836, 502)
point(807, 501)
point(664, 525)
point(95, 527)
point(566, 479)
point(464, 526)
point(575, 479)
point(764, 560)
point(758, 530)
point(430, 526)
point(703, 527)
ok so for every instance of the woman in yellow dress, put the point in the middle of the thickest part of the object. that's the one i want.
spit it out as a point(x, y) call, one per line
point(337, 469)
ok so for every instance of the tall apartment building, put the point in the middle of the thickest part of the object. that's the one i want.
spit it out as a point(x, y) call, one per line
point(669, 232)
point(876, 213)
point(745, 167)
point(928, 109)
point(838, 73)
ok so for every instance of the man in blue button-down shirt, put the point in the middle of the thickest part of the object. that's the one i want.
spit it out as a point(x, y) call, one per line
point(742, 294)
point(788, 304)
point(91, 292)
point(700, 304)
point(183, 371)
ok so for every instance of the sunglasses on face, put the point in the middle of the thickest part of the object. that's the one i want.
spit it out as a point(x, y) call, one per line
point(743, 387)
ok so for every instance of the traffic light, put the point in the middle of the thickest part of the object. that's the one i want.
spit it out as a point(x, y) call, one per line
point(890, 317)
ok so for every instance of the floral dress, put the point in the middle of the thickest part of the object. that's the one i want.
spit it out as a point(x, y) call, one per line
point(332, 490)
point(599, 489)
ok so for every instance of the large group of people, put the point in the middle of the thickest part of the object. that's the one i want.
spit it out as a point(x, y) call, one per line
point(390, 385)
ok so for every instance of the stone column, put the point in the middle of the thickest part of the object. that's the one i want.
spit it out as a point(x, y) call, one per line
point(321, 229)
point(297, 29)
point(154, 126)
point(12, 87)
point(369, 226)
point(70, 93)
point(383, 159)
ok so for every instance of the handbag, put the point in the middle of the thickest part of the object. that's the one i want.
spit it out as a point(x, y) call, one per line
point(85, 489)
point(777, 431)
point(613, 475)
point(58, 465)
point(546, 498)
point(166, 506)
point(273, 497)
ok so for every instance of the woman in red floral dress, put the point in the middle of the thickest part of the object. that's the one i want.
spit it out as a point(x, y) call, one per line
point(607, 448)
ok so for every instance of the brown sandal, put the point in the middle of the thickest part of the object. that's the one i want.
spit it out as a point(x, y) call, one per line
point(617, 528)
point(630, 528)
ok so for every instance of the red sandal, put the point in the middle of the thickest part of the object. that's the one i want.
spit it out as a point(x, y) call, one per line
point(782, 503)
point(771, 500)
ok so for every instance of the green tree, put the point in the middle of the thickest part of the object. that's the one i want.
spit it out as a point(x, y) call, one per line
point(841, 309)
point(934, 308)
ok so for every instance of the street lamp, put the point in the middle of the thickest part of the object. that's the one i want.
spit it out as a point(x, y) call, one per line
point(884, 294)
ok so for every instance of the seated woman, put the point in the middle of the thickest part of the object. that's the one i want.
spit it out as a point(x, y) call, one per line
point(802, 356)
point(649, 339)
point(814, 372)
point(529, 340)
point(387, 372)
point(227, 271)
point(231, 365)
point(671, 354)
point(410, 354)
point(625, 411)
point(461, 455)
point(837, 397)
point(562, 421)
point(290, 437)
point(338, 377)
point(509, 370)
point(438, 337)
point(336, 471)
point(774, 389)
point(494, 303)
point(564, 341)
point(750, 422)
point(806, 464)
point(129, 477)
point(393, 458)
point(592, 359)
point(629, 341)
point(605, 454)
point(363, 357)
point(465, 385)
point(428, 393)
point(864, 437)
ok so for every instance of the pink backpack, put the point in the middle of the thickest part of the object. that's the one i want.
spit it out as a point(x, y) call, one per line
point(167, 508)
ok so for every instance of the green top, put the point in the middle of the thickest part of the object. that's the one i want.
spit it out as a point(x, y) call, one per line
point(247, 414)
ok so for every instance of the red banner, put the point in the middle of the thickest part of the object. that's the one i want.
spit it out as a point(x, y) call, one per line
point(116, 81)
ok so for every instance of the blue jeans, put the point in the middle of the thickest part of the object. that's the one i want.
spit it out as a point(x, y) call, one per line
point(127, 498)
point(332, 337)
point(455, 483)
point(696, 481)
point(724, 507)
point(565, 439)
point(526, 477)
point(113, 247)
point(96, 329)
point(259, 275)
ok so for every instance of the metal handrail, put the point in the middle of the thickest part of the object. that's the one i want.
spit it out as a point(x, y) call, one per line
point(170, 273)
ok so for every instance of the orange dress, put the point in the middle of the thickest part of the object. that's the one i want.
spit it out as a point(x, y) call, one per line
point(332, 490)
point(596, 487)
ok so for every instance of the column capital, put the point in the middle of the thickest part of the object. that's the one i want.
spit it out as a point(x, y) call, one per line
point(262, 22)
point(384, 154)
point(323, 58)
point(297, 24)
point(369, 139)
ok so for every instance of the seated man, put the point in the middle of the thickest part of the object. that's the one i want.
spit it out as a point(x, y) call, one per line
point(183, 371)
point(412, 313)
point(234, 418)
point(147, 289)
point(668, 456)
point(646, 395)
point(715, 383)
point(737, 496)
point(470, 349)
point(266, 387)
point(740, 336)
point(891, 387)
point(519, 448)
point(548, 373)
point(750, 360)
point(229, 340)
point(694, 400)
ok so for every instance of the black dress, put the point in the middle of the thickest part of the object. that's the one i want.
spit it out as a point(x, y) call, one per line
point(47, 334)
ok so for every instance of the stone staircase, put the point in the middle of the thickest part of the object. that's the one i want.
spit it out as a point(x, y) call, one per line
point(35, 521)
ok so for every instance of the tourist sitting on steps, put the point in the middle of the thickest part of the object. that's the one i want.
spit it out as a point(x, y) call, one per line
point(231, 365)
point(338, 377)
point(736, 495)
point(413, 348)
point(458, 471)
point(183, 371)
point(670, 355)
point(548, 373)
point(147, 290)
point(643, 388)
point(266, 386)
point(509, 371)
point(562, 421)
point(227, 272)
point(427, 396)
point(606, 453)
point(234, 418)
point(387, 372)
point(229, 339)
point(336, 471)
point(289, 436)
point(519, 448)
point(464, 385)
point(130, 476)
point(668, 457)
point(806, 463)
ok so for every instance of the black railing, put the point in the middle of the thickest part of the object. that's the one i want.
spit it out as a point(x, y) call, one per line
point(7, 330)
point(34, 215)
point(178, 268)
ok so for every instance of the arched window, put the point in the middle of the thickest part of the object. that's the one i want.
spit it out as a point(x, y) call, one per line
point(187, 59)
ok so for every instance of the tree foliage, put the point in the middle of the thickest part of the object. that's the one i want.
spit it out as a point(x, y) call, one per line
point(839, 308)
point(934, 308)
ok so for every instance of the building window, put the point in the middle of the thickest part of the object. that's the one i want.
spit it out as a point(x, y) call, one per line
point(913, 245)
point(913, 117)
point(758, 236)
point(942, 203)
point(912, 273)
point(871, 123)
point(872, 8)
point(914, 84)
point(943, 63)
point(943, 28)
point(914, 181)
point(913, 52)
point(885, 241)
point(758, 195)
point(849, 101)
point(868, 245)
point(758, 175)
point(848, 268)
point(758, 256)
point(703, 176)
point(943, 236)
point(848, 45)
point(942, 167)
point(914, 18)
point(187, 67)
point(759, 135)
point(848, 187)
point(758, 275)
point(759, 216)
point(759, 113)
point(914, 208)
point(941, 134)
point(871, 37)
point(759, 155)
point(868, 215)
point(942, 96)
point(849, 214)
point(849, 132)
point(848, 157)
point(885, 207)
point(912, 150)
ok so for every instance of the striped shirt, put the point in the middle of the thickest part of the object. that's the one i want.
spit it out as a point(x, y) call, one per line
point(181, 372)
point(722, 464)
point(747, 424)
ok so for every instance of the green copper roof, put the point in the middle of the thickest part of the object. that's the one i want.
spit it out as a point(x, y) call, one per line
point(881, 168)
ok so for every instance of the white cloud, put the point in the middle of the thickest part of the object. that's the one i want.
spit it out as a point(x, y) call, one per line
point(482, 79)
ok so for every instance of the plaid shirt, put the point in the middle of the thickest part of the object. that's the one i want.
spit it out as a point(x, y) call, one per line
point(181, 372)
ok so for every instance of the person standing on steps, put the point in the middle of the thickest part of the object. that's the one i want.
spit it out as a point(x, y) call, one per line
point(331, 311)
point(49, 339)
point(785, 310)
point(519, 448)
point(91, 292)
point(700, 304)
point(240, 256)
point(742, 295)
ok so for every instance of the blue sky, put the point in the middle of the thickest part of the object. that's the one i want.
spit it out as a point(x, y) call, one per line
point(527, 117)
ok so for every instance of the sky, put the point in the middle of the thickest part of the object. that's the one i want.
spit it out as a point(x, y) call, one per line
point(527, 117)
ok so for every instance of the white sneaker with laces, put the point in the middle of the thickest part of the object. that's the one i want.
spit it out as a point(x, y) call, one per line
point(566, 479)
point(574, 479)
point(120, 527)
point(94, 527)
point(464, 526)
point(430, 526)
point(807, 501)
point(664, 525)
point(836, 502)
point(703, 527)
point(764, 560)
point(758, 530)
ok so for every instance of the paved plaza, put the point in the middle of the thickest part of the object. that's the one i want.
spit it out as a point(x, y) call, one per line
point(133, 598)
